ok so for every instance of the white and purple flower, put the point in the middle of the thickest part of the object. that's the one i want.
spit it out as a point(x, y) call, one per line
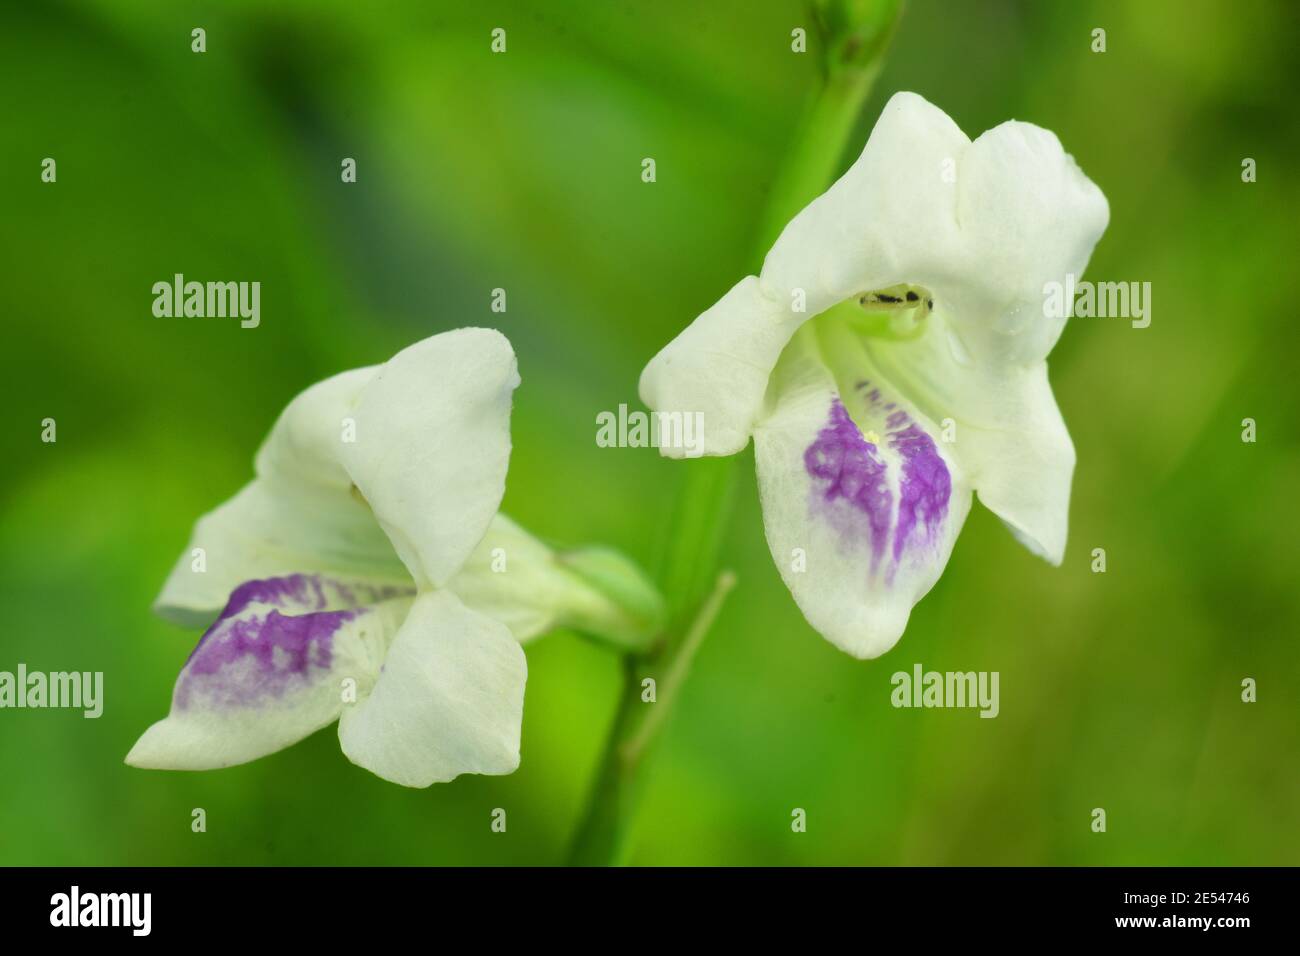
point(365, 576)
point(890, 360)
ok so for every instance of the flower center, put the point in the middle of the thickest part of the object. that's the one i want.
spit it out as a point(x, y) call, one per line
point(897, 312)
point(859, 341)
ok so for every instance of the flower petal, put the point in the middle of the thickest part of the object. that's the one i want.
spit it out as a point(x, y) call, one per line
point(424, 441)
point(1022, 462)
point(1016, 214)
point(859, 525)
point(1007, 432)
point(719, 366)
point(449, 701)
point(271, 670)
point(890, 218)
point(270, 529)
point(984, 226)
point(1028, 216)
point(433, 444)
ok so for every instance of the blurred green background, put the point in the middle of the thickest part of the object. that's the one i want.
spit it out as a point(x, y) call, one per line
point(1118, 690)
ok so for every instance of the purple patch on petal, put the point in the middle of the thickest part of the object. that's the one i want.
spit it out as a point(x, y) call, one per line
point(254, 651)
point(849, 469)
point(309, 592)
point(302, 590)
point(924, 488)
point(241, 661)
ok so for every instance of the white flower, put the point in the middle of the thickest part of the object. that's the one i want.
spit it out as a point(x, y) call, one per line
point(361, 579)
point(922, 271)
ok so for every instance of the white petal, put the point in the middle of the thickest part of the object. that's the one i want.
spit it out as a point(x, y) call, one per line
point(983, 226)
point(1028, 216)
point(890, 218)
point(1015, 214)
point(449, 701)
point(272, 670)
point(859, 527)
point(424, 441)
point(303, 446)
point(1006, 430)
point(1020, 459)
point(433, 445)
point(719, 366)
point(270, 529)
point(297, 515)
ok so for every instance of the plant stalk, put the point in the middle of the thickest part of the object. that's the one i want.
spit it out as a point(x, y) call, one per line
point(854, 37)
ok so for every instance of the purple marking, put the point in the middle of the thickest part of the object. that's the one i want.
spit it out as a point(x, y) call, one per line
point(267, 650)
point(274, 650)
point(924, 489)
point(845, 466)
point(297, 589)
point(309, 592)
point(852, 471)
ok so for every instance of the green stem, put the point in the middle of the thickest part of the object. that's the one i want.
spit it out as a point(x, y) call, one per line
point(602, 836)
point(814, 156)
point(600, 839)
point(855, 34)
point(679, 666)
point(855, 37)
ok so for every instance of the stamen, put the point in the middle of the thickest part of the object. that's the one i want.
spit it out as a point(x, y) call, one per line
point(895, 297)
point(902, 304)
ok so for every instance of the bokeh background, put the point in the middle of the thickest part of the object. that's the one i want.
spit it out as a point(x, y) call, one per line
point(1118, 690)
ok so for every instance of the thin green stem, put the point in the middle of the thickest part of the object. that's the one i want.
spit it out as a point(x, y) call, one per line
point(666, 692)
point(600, 839)
point(855, 35)
point(602, 836)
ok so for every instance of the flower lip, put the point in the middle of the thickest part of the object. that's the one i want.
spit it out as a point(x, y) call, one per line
point(846, 465)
